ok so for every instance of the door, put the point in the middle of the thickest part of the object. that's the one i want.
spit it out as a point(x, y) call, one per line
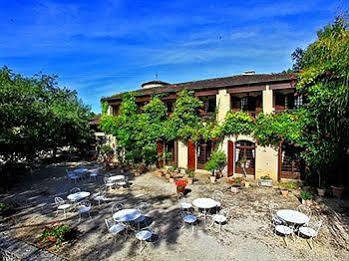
point(191, 155)
point(231, 157)
point(245, 153)
point(160, 152)
point(204, 150)
point(289, 162)
point(171, 149)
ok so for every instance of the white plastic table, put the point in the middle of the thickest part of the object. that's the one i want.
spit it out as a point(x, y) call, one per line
point(116, 178)
point(293, 216)
point(205, 203)
point(78, 196)
point(80, 171)
point(127, 215)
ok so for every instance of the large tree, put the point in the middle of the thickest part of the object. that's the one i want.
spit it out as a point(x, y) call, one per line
point(38, 116)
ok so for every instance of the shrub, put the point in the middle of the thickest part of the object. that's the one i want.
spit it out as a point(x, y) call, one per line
point(305, 195)
point(6, 209)
point(217, 162)
point(58, 234)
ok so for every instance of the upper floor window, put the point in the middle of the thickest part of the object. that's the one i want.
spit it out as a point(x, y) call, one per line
point(209, 104)
point(115, 109)
point(246, 103)
point(287, 101)
point(298, 101)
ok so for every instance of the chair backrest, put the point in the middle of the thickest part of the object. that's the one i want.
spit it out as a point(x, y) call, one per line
point(106, 180)
point(272, 209)
point(85, 203)
point(116, 207)
point(218, 195)
point(59, 200)
point(108, 222)
point(75, 190)
point(143, 206)
point(305, 210)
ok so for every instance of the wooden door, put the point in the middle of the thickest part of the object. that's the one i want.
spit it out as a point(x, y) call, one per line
point(289, 162)
point(160, 151)
point(191, 155)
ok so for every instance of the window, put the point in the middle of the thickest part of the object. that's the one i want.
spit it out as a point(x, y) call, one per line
point(298, 101)
point(209, 104)
point(244, 104)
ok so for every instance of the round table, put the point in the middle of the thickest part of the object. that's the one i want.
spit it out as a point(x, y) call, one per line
point(78, 196)
point(127, 215)
point(116, 178)
point(293, 216)
point(205, 203)
point(80, 171)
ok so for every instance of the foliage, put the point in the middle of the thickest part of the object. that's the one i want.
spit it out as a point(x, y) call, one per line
point(217, 162)
point(237, 123)
point(305, 195)
point(6, 209)
point(58, 234)
point(190, 173)
point(289, 185)
point(324, 81)
point(271, 129)
point(106, 150)
point(37, 116)
point(185, 121)
point(104, 105)
point(265, 177)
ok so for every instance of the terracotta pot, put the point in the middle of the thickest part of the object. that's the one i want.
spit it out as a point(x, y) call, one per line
point(213, 179)
point(172, 180)
point(337, 191)
point(284, 192)
point(190, 181)
point(321, 192)
point(180, 189)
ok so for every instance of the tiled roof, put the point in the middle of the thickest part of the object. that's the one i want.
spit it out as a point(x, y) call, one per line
point(215, 83)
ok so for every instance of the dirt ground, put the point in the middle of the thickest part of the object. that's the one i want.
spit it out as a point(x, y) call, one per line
point(247, 235)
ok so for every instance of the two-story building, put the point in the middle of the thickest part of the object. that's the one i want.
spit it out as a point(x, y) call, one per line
point(253, 93)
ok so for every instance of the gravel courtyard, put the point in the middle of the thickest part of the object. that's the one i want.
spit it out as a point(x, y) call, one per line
point(247, 236)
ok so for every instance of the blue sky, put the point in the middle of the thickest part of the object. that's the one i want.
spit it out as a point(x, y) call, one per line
point(104, 47)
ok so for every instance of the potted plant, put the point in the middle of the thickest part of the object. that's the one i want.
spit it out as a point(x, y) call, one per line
point(236, 184)
point(321, 190)
point(305, 197)
point(180, 185)
point(266, 181)
point(216, 164)
point(191, 175)
point(284, 189)
point(337, 191)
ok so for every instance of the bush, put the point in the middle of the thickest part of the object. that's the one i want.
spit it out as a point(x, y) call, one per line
point(217, 162)
point(305, 195)
point(6, 209)
point(58, 234)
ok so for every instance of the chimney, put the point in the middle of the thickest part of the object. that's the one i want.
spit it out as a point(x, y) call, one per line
point(249, 73)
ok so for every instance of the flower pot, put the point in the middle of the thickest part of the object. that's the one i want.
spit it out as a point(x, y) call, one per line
point(306, 202)
point(213, 179)
point(337, 191)
point(180, 189)
point(168, 175)
point(266, 182)
point(190, 181)
point(234, 189)
point(321, 192)
point(52, 239)
point(172, 180)
point(284, 192)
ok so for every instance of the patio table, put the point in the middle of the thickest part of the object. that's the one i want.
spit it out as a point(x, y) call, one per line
point(80, 170)
point(78, 196)
point(116, 178)
point(205, 203)
point(293, 216)
point(127, 215)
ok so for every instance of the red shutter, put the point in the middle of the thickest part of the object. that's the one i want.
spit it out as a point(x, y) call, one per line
point(160, 150)
point(191, 155)
point(231, 158)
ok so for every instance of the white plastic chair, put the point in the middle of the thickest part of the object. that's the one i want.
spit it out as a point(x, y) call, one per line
point(99, 197)
point(285, 231)
point(75, 190)
point(218, 196)
point(109, 184)
point(94, 173)
point(185, 205)
point(305, 210)
point(116, 207)
point(220, 218)
point(84, 207)
point(123, 183)
point(275, 220)
point(61, 205)
point(114, 228)
point(189, 219)
point(72, 176)
point(310, 231)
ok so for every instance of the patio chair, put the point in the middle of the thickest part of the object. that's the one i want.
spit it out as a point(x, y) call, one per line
point(61, 205)
point(75, 190)
point(114, 228)
point(285, 231)
point(99, 197)
point(220, 219)
point(72, 176)
point(123, 183)
point(108, 184)
point(84, 207)
point(275, 220)
point(310, 231)
point(94, 173)
point(185, 205)
point(218, 196)
point(143, 206)
point(144, 235)
point(189, 219)
point(305, 210)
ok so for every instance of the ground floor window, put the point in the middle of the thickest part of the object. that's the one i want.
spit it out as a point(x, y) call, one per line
point(245, 155)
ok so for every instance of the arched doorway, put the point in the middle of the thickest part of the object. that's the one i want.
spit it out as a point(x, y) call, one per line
point(245, 155)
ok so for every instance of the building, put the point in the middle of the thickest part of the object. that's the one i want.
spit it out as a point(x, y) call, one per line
point(250, 92)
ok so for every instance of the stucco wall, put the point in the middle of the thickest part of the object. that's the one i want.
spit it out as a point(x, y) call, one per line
point(223, 104)
point(182, 155)
point(266, 162)
point(268, 100)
